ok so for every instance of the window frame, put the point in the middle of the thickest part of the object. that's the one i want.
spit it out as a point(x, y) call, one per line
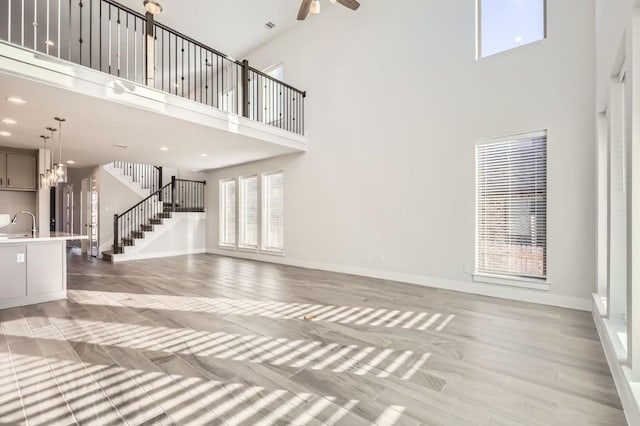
point(542, 283)
point(479, 55)
point(222, 213)
point(263, 216)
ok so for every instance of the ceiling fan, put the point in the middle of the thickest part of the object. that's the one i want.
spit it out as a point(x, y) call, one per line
point(313, 6)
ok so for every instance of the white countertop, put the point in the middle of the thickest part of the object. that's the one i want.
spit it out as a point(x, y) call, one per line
point(40, 237)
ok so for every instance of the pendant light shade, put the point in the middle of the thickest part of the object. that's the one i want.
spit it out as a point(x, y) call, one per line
point(51, 177)
point(60, 169)
point(44, 177)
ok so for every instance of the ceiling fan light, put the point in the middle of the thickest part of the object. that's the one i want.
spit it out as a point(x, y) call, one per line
point(153, 7)
point(315, 7)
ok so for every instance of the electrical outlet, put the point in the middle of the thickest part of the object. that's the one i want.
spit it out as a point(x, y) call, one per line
point(20, 258)
point(466, 269)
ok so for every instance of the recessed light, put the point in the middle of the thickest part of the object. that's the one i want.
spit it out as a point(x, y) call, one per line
point(5, 133)
point(203, 155)
point(49, 43)
point(120, 146)
point(71, 162)
point(16, 100)
point(9, 121)
point(518, 39)
point(164, 148)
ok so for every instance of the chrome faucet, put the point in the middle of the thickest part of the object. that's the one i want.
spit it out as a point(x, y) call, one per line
point(33, 221)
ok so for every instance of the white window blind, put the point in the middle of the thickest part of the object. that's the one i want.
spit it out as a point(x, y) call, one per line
point(511, 195)
point(227, 213)
point(273, 211)
point(248, 212)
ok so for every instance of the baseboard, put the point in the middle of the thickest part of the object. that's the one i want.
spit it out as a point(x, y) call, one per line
point(155, 255)
point(499, 291)
point(33, 299)
point(620, 372)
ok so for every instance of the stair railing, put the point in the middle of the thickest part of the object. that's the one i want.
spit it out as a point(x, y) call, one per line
point(180, 195)
point(149, 177)
point(111, 38)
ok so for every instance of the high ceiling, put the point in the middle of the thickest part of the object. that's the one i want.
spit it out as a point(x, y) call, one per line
point(234, 27)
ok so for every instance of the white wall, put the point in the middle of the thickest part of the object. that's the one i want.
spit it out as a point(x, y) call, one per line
point(395, 103)
point(114, 197)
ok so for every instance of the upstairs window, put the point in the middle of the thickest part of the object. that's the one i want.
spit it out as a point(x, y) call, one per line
point(273, 211)
point(228, 213)
point(511, 207)
point(506, 24)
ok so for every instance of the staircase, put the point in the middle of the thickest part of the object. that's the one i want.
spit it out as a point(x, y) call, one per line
point(180, 203)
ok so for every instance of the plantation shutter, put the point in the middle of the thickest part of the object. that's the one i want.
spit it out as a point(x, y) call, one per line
point(511, 233)
point(228, 213)
point(273, 202)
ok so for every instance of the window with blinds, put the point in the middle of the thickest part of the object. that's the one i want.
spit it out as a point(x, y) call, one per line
point(248, 217)
point(511, 206)
point(273, 211)
point(227, 235)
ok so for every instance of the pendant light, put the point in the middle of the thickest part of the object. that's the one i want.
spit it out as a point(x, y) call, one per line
point(60, 169)
point(44, 177)
point(51, 175)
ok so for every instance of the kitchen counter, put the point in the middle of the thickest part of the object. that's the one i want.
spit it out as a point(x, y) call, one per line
point(44, 236)
point(33, 268)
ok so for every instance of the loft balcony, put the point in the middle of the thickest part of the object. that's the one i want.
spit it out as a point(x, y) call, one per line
point(146, 65)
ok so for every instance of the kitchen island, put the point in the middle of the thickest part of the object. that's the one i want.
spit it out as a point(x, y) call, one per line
point(33, 269)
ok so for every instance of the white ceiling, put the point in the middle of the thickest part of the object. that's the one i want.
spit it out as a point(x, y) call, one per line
point(94, 125)
point(233, 27)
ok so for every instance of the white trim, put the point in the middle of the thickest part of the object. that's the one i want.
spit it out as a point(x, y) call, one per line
point(126, 257)
point(502, 292)
point(520, 282)
point(513, 137)
point(629, 391)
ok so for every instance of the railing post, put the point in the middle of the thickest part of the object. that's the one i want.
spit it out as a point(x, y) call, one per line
point(115, 234)
point(245, 88)
point(173, 194)
point(160, 183)
point(150, 50)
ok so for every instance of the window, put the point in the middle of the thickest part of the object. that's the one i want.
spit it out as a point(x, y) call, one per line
point(248, 212)
point(506, 24)
point(273, 211)
point(228, 213)
point(511, 207)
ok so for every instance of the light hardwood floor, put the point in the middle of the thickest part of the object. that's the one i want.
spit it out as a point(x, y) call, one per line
point(213, 340)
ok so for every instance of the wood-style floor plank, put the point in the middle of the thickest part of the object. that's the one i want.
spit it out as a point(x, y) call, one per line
point(209, 340)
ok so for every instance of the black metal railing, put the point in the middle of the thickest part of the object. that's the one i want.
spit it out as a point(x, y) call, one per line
point(180, 195)
point(149, 177)
point(109, 37)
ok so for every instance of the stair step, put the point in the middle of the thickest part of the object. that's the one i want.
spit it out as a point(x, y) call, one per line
point(165, 215)
point(155, 221)
point(128, 242)
point(146, 228)
point(107, 256)
point(137, 234)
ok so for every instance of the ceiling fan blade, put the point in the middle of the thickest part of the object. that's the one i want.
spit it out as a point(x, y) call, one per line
point(351, 4)
point(304, 10)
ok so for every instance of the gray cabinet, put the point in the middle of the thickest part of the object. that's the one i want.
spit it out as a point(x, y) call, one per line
point(13, 267)
point(45, 269)
point(3, 169)
point(21, 171)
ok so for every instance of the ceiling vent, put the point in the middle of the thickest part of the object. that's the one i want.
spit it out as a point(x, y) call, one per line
point(120, 146)
point(270, 25)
